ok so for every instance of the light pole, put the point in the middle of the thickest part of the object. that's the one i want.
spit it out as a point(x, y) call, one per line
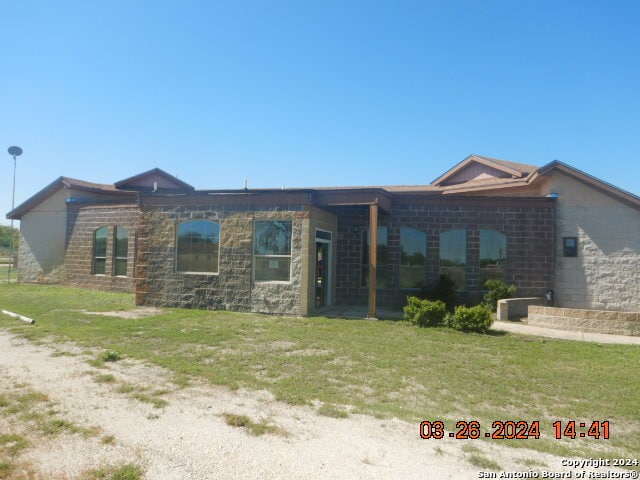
point(14, 152)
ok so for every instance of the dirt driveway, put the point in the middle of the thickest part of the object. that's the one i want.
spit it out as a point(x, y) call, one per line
point(188, 438)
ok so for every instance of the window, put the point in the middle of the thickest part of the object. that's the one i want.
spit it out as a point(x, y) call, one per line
point(493, 255)
point(453, 256)
point(381, 258)
point(570, 246)
point(198, 246)
point(413, 258)
point(100, 250)
point(272, 250)
point(120, 249)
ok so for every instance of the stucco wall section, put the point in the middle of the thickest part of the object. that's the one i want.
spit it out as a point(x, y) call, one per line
point(606, 273)
point(42, 241)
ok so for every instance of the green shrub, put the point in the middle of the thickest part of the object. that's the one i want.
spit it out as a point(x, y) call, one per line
point(424, 313)
point(110, 356)
point(470, 319)
point(497, 290)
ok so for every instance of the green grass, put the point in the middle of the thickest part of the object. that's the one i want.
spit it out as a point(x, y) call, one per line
point(483, 463)
point(143, 394)
point(4, 273)
point(379, 368)
point(328, 410)
point(105, 357)
point(58, 426)
point(255, 428)
point(129, 471)
point(12, 444)
point(104, 378)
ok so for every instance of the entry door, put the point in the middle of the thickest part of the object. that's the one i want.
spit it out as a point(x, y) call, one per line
point(322, 273)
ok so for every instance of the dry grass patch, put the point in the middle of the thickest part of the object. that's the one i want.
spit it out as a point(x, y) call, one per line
point(333, 411)
point(27, 418)
point(255, 428)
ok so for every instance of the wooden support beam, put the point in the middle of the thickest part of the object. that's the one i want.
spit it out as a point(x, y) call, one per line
point(373, 258)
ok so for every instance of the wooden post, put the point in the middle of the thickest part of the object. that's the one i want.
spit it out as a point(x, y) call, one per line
point(373, 258)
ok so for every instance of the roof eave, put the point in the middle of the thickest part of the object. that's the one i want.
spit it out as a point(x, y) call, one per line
point(478, 159)
point(612, 191)
point(157, 171)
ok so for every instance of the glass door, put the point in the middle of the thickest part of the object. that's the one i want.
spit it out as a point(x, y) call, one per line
point(322, 274)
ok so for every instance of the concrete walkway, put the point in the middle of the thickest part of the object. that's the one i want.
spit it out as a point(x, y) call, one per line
point(523, 328)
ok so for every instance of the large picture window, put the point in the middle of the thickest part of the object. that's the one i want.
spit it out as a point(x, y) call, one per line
point(272, 250)
point(120, 250)
point(100, 250)
point(198, 246)
point(413, 258)
point(381, 258)
point(453, 256)
point(493, 255)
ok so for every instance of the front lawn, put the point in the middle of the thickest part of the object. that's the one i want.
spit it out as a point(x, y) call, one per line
point(373, 367)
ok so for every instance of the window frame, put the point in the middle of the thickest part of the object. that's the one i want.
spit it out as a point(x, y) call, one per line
point(95, 256)
point(116, 257)
point(217, 253)
point(259, 257)
point(570, 251)
point(501, 264)
point(408, 267)
point(461, 268)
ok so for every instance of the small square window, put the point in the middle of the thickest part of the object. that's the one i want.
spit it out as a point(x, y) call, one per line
point(570, 246)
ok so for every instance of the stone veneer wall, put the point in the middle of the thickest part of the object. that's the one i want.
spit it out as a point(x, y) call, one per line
point(82, 222)
point(232, 288)
point(528, 224)
point(588, 321)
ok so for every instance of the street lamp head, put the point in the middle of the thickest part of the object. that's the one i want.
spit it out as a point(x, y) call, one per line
point(15, 151)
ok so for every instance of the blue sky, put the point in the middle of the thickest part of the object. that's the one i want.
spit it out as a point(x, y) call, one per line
point(310, 93)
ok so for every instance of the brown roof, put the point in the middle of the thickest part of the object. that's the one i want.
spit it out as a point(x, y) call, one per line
point(134, 182)
point(65, 182)
point(512, 169)
point(520, 167)
point(88, 186)
point(519, 175)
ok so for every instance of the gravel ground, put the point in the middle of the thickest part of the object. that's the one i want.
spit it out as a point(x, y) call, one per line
point(189, 438)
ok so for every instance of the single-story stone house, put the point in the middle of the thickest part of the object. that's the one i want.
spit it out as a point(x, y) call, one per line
point(300, 251)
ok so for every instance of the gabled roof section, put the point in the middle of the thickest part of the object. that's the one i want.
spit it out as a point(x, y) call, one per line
point(611, 190)
point(475, 168)
point(68, 183)
point(155, 179)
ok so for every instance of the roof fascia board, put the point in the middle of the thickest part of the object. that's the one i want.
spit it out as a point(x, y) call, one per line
point(477, 159)
point(519, 182)
point(154, 171)
point(53, 187)
point(623, 196)
point(343, 198)
point(35, 199)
